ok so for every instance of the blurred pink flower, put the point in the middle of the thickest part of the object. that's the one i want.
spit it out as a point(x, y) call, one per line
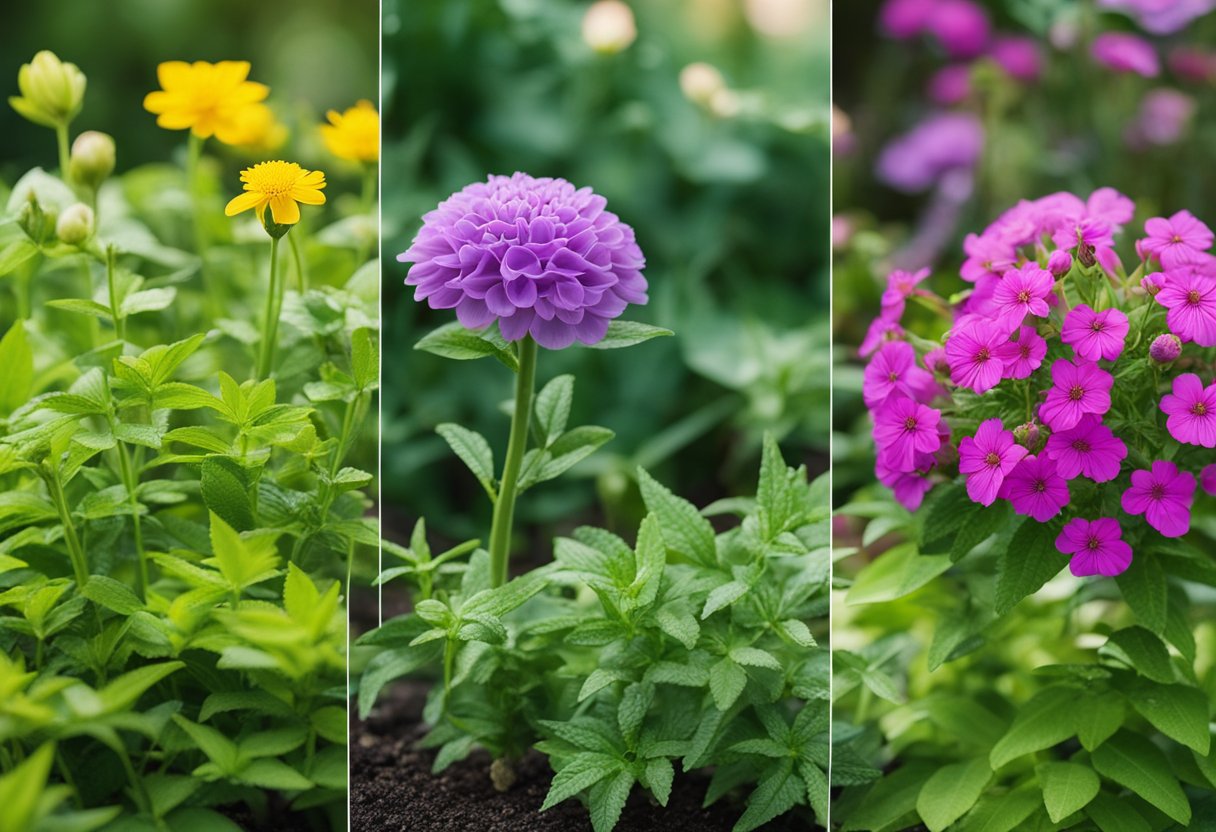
point(1124, 52)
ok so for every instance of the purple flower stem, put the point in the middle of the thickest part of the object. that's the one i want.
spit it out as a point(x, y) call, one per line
point(504, 506)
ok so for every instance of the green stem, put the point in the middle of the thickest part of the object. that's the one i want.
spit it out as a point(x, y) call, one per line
point(368, 198)
point(80, 565)
point(194, 158)
point(270, 326)
point(61, 135)
point(504, 506)
point(120, 321)
point(298, 262)
point(128, 479)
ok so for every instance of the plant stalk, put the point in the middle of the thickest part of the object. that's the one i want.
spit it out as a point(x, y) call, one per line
point(80, 566)
point(270, 326)
point(61, 136)
point(504, 506)
point(120, 322)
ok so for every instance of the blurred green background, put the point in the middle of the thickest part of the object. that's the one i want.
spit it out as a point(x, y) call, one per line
point(728, 194)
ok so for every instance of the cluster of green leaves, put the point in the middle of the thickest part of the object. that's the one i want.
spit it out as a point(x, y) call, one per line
point(620, 661)
point(175, 536)
point(972, 706)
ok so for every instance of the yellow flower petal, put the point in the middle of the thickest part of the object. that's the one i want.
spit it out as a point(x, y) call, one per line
point(242, 202)
point(309, 196)
point(284, 210)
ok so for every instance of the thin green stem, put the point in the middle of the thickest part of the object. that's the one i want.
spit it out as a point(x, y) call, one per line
point(504, 506)
point(61, 135)
point(298, 262)
point(129, 482)
point(368, 198)
point(194, 158)
point(80, 564)
point(270, 326)
point(120, 321)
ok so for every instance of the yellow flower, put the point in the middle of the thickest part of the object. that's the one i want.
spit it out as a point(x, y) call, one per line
point(258, 129)
point(354, 134)
point(207, 99)
point(281, 185)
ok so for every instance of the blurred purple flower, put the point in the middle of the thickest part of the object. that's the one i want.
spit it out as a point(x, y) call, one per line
point(538, 256)
point(950, 85)
point(941, 143)
point(960, 26)
point(1019, 56)
point(1124, 52)
point(1192, 63)
point(1161, 17)
point(1164, 116)
point(904, 19)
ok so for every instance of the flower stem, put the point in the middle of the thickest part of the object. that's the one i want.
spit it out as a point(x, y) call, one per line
point(120, 322)
point(504, 506)
point(270, 326)
point(61, 135)
point(194, 157)
point(80, 567)
point(129, 481)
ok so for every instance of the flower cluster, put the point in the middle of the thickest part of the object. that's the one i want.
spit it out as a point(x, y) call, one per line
point(1032, 355)
point(538, 256)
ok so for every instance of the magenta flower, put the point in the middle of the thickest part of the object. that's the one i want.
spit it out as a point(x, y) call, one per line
point(1207, 479)
point(1124, 52)
point(1164, 117)
point(903, 429)
point(1020, 57)
point(1094, 335)
point(1164, 496)
point(1077, 388)
point(987, 256)
point(1161, 17)
point(1192, 411)
point(901, 285)
point(1089, 448)
point(1097, 547)
point(920, 158)
point(961, 27)
point(950, 85)
point(1021, 293)
point(904, 19)
point(1023, 356)
point(882, 329)
point(909, 489)
point(972, 352)
point(1036, 489)
point(1084, 232)
point(1166, 348)
point(535, 256)
point(894, 369)
point(1176, 241)
point(1059, 263)
point(987, 459)
point(1190, 298)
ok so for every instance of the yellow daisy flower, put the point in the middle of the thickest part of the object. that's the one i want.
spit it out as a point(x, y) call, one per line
point(258, 129)
point(354, 134)
point(280, 185)
point(207, 99)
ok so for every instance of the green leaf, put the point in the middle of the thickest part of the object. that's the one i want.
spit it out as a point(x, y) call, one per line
point(1029, 561)
point(627, 333)
point(726, 681)
point(365, 358)
point(474, 451)
point(1044, 721)
point(147, 300)
point(951, 792)
point(980, 525)
point(608, 798)
point(111, 594)
point(454, 341)
point(684, 529)
point(226, 486)
point(1097, 716)
point(269, 773)
point(219, 749)
point(778, 791)
point(1113, 814)
point(678, 622)
point(723, 596)
point(1178, 711)
point(1067, 788)
point(124, 692)
point(15, 254)
point(82, 307)
point(17, 359)
point(754, 657)
point(1146, 590)
point(897, 572)
point(501, 600)
point(797, 632)
point(1143, 651)
point(242, 561)
point(552, 408)
point(1134, 762)
point(22, 788)
point(890, 799)
point(1003, 813)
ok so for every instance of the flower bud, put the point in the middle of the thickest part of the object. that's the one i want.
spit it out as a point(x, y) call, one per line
point(75, 225)
point(1151, 283)
point(700, 82)
point(92, 158)
point(52, 91)
point(608, 26)
point(1166, 348)
point(1059, 263)
point(37, 223)
point(1027, 435)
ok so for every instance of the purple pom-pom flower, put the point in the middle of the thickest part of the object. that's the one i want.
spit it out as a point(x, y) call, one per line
point(538, 256)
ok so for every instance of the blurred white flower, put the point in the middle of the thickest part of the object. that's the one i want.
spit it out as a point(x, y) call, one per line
point(608, 26)
point(784, 18)
point(700, 82)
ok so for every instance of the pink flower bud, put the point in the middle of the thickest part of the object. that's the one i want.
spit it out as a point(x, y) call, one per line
point(1059, 263)
point(1166, 348)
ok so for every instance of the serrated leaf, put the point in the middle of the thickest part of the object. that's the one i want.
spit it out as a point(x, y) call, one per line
point(684, 529)
point(474, 451)
point(608, 798)
point(226, 486)
point(723, 596)
point(726, 682)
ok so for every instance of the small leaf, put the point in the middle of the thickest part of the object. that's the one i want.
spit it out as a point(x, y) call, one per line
point(1143, 651)
point(111, 594)
point(684, 529)
point(454, 341)
point(1135, 763)
point(627, 333)
point(226, 487)
point(474, 451)
point(951, 792)
point(726, 681)
point(553, 408)
point(1067, 788)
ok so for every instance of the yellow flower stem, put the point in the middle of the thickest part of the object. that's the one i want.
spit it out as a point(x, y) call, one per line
point(504, 506)
point(270, 326)
point(61, 134)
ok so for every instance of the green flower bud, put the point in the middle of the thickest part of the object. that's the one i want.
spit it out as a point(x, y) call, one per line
point(37, 222)
point(75, 225)
point(92, 158)
point(52, 91)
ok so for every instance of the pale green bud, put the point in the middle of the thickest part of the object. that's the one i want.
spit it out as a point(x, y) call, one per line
point(75, 225)
point(92, 158)
point(52, 91)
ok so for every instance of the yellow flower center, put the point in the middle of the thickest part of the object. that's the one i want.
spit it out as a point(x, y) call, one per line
point(272, 178)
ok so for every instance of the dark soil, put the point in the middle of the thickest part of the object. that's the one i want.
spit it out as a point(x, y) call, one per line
point(393, 790)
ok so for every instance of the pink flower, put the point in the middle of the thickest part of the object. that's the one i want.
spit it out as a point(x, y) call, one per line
point(986, 257)
point(950, 85)
point(1020, 57)
point(881, 330)
point(894, 369)
point(987, 459)
point(1094, 335)
point(902, 285)
point(1176, 241)
point(1192, 411)
point(1077, 388)
point(1097, 547)
point(909, 489)
point(1088, 448)
point(1124, 52)
point(960, 26)
point(1191, 299)
point(1164, 496)
point(1059, 263)
point(1084, 232)
point(972, 351)
point(904, 19)
point(1207, 479)
point(1036, 489)
point(1021, 293)
point(1165, 349)
point(902, 430)
point(1023, 356)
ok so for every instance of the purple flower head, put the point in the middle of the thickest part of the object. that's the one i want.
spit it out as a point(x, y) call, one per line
point(1192, 64)
point(1077, 388)
point(1163, 119)
point(1084, 233)
point(943, 142)
point(960, 26)
point(1207, 479)
point(909, 489)
point(1019, 56)
point(1161, 17)
point(1124, 52)
point(987, 256)
point(882, 329)
point(894, 369)
point(1164, 496)
point(1088, 448)
point(1035, 489)
point(1095, 335)
point(1023, 356)
point(1059, 263)
point(904, 19)
point(1021, 293)
point(1190, 298)
point(538, 256)
point(1191, 409)
point(903, 430)
point(950, 85)
point(987, 459)
point(902, 285)
point(1177, 241)
point(1166, 348)
point(1097, 547)
point(973, 352)
point(1111, 207)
